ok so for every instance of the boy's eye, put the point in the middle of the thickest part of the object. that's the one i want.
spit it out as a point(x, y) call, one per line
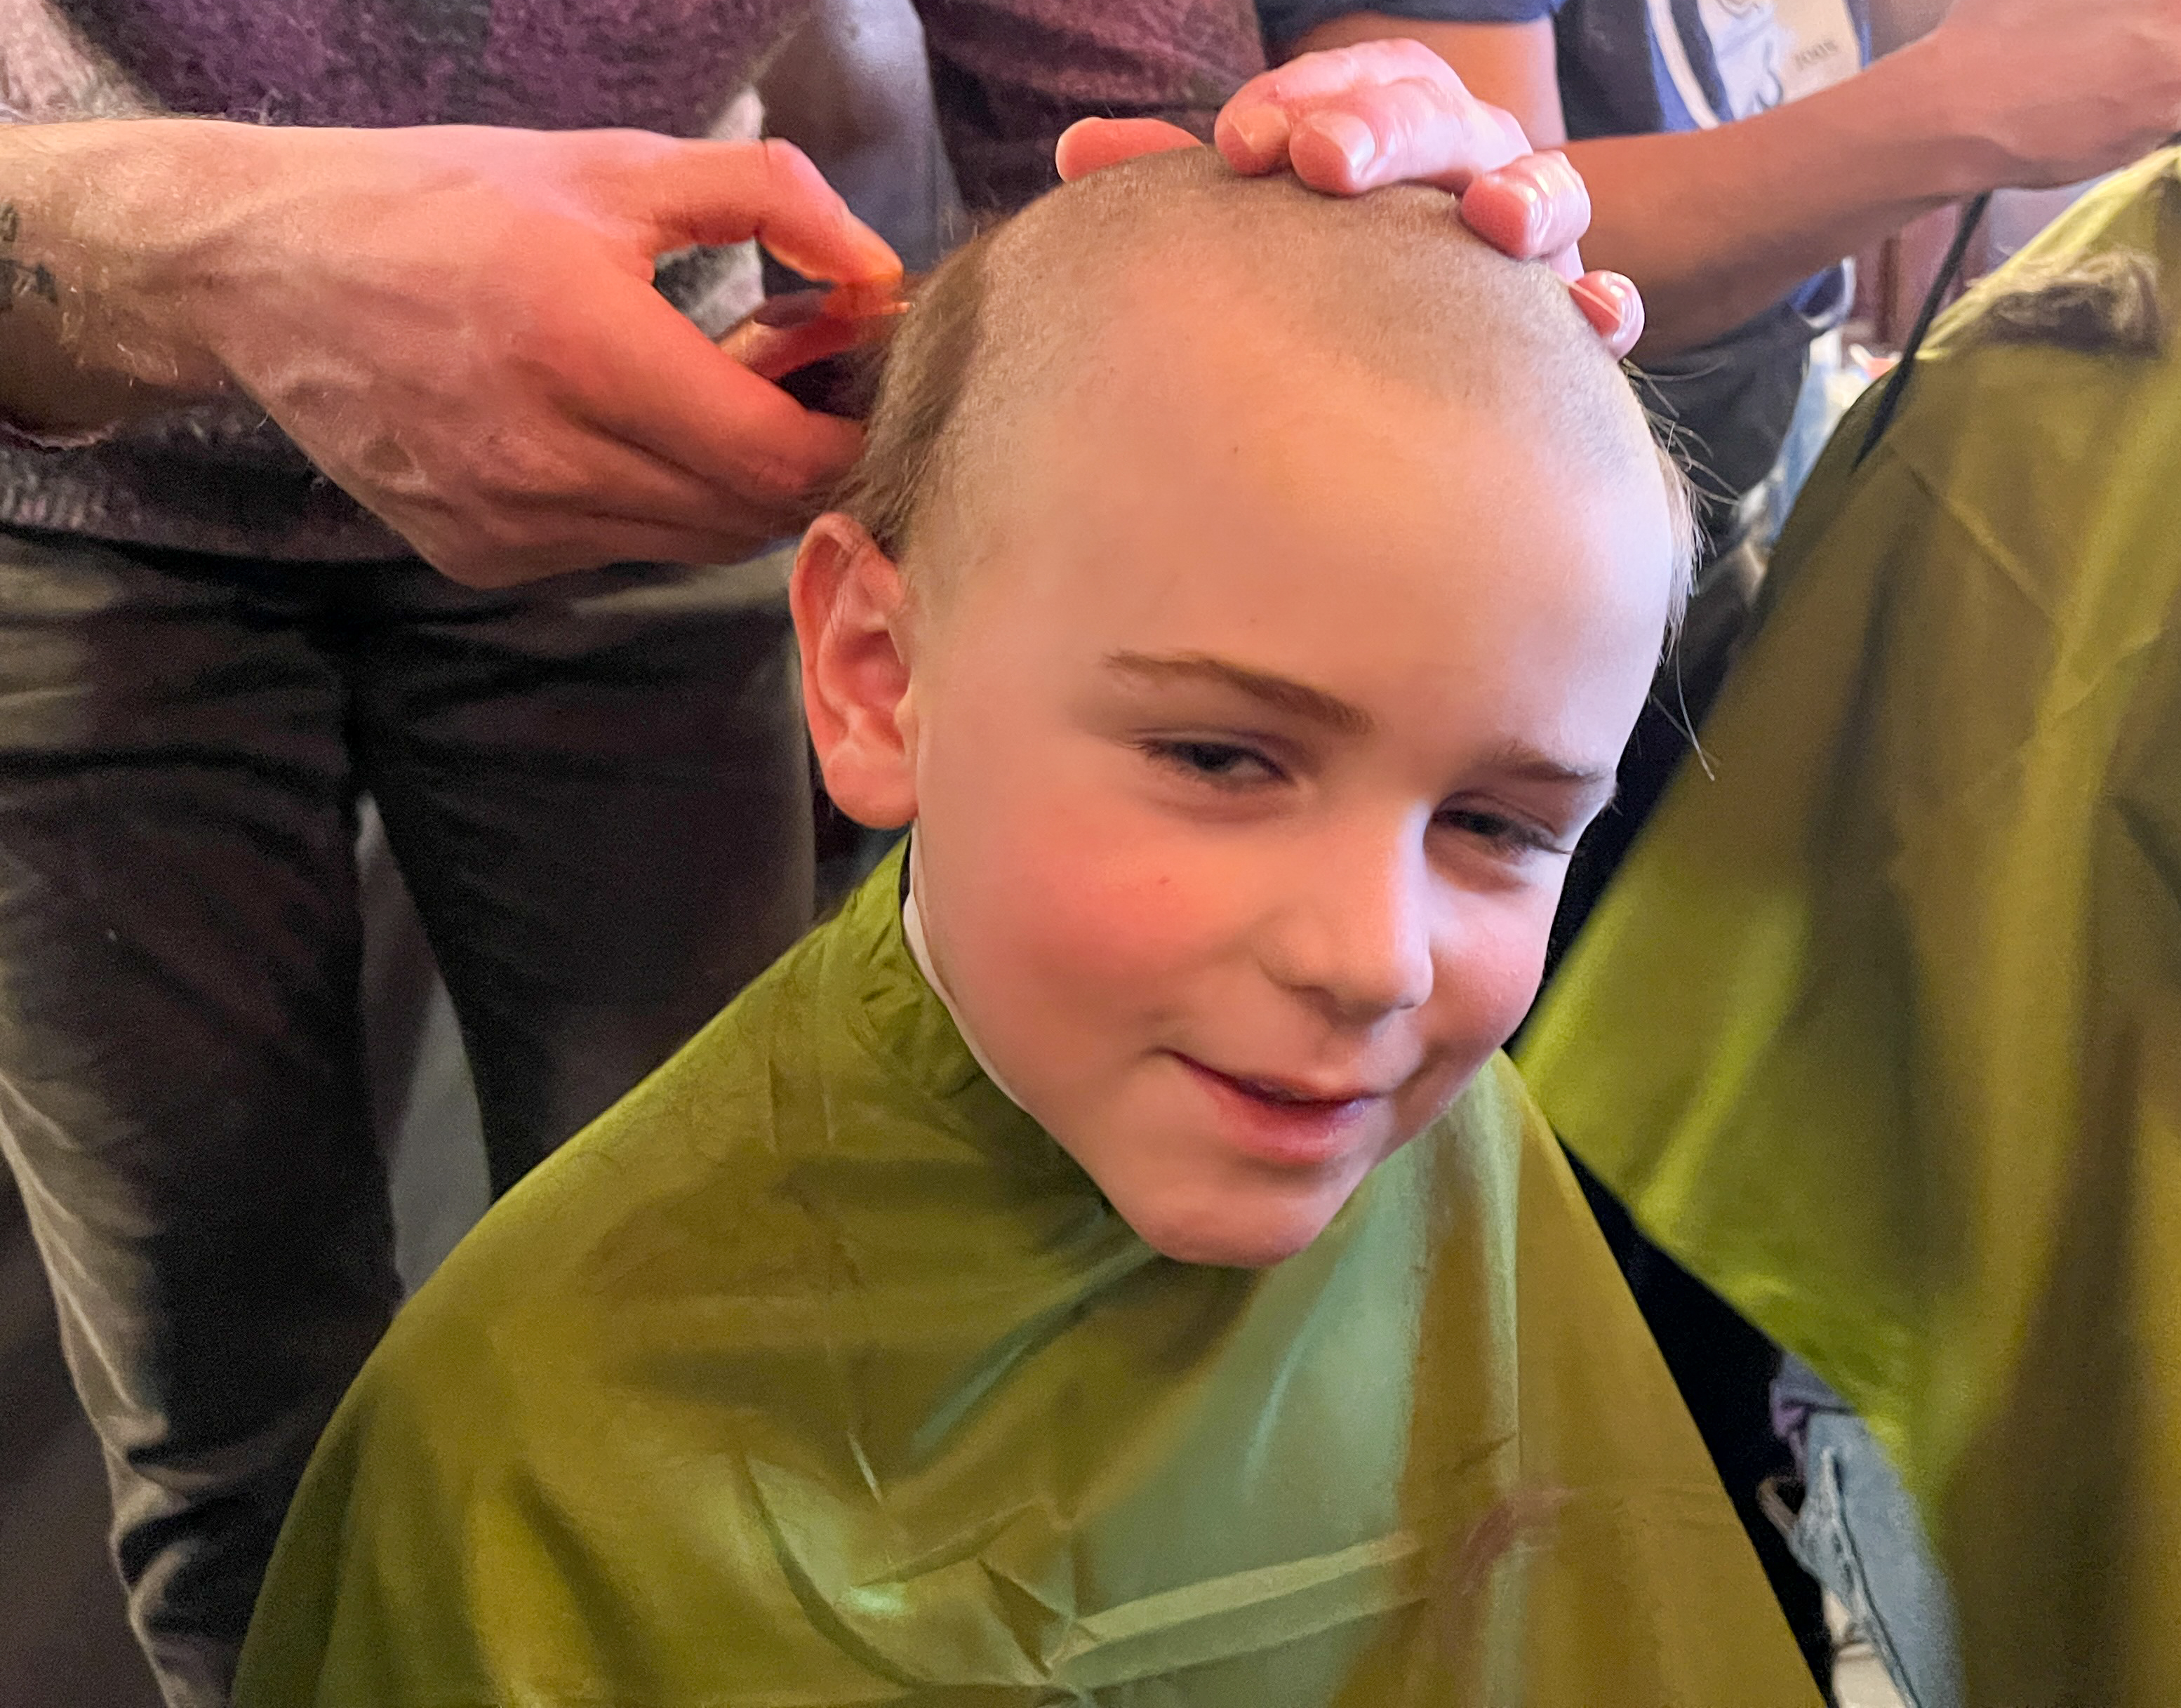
point(1215, 761)
point(1512, 835)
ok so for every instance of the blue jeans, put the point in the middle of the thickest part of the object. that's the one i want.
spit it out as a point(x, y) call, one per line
point(1858, 1534)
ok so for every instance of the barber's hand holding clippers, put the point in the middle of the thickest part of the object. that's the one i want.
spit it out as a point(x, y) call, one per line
point(459, 325)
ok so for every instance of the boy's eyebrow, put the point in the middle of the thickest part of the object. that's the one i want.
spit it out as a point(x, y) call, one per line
point(1519, 759)
point(1296, 699)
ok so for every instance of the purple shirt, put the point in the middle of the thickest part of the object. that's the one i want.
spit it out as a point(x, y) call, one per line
point(1009, 76)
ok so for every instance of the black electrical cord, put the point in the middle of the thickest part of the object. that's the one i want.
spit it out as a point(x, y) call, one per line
point(1896, 388)
point(1949, 270)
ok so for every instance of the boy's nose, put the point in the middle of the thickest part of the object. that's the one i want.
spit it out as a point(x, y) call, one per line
point(1355, 933)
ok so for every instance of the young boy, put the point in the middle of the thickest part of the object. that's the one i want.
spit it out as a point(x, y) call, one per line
point(1110, 1263)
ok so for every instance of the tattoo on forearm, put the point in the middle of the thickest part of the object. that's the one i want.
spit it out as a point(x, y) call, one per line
point(19, 278)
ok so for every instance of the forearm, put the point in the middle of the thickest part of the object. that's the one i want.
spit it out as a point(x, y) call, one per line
point(1715, 225)
point(1894, 24)
point(85, 343)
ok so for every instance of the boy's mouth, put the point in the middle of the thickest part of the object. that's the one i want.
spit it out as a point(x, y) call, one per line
point(1279, 1092)
point(1290, 1124)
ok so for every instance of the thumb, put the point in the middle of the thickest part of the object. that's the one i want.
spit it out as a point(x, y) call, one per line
point(1092, 145)
point(729, 192)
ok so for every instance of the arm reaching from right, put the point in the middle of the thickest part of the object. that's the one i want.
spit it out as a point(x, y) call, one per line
point(1716, 225)
point(458, 324)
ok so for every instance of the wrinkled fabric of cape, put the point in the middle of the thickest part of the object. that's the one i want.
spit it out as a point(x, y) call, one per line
point(1879, 1030)
point(815, 1373)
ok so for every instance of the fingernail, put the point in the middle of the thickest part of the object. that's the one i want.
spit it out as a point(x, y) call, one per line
point(1263, 130)
point(1533, 201)
point(1350, 135)
point(1587, 291)
point(1614, 297)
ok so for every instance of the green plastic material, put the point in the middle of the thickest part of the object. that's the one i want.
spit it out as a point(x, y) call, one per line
point(815, 1373)
point(1880, 1032)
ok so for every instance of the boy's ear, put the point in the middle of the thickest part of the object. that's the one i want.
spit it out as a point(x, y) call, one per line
point(849, 605)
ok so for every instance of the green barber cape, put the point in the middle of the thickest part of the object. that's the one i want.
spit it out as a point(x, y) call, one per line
point(1879, 1030)
point(815, 1373)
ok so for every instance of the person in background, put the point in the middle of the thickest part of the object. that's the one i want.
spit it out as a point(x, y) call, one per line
point(381, 442)
point(1734, 150)
point(850, 86)
point(1876, 1029)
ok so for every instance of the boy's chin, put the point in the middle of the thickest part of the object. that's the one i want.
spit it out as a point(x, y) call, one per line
point(1231, 1241)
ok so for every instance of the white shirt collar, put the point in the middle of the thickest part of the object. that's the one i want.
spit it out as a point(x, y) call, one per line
point(920, 950)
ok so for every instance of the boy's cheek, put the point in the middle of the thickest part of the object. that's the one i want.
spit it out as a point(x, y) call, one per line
point(1491, 957)
point(1081, 859)
point(1114, 902)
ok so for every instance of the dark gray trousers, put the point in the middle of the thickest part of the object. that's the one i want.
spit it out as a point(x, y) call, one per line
point(598, 793)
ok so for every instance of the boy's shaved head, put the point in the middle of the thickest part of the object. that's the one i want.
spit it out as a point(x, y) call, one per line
point(1390, 286)
point(1267, 587)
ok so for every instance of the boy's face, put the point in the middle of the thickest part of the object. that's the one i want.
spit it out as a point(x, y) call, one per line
point(1246, 758)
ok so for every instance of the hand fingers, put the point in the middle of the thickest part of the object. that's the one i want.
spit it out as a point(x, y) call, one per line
point(729, 192)
point(1255, 128)
point(1354, 118)
point(673, 394)
point(773, 351)
point(1251, 129)
point(1090, 144)
point(596, 500)
point(1613, 305)
point(1414, 132)
point(1534, 207)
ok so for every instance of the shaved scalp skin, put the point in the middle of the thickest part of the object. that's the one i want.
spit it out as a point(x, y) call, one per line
point(1390, 286)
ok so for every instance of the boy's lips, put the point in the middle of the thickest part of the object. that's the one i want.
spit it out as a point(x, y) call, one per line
point(1286, 1122)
